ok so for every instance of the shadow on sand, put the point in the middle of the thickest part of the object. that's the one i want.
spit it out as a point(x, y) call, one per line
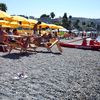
point(27, 54)
point(16, 55)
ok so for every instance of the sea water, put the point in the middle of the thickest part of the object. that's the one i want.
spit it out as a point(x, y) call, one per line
point(98, 38)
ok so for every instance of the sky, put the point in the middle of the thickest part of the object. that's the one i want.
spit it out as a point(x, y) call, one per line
point(75, 8)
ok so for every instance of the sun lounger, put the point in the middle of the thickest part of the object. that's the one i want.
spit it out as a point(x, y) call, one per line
point(21, 43)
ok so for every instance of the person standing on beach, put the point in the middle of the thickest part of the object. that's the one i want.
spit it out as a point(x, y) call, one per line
point(35, 28)
point(36, 36)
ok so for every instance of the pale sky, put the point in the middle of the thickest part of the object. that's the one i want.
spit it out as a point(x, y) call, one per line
point(75, 8)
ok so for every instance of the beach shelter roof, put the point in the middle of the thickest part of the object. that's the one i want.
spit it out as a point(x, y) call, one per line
point(60, 27)
point(53, 26)
point(3, 22)
point(4, 15)
point(32, 21)
point(5, 26)
point(25, 25)
point(43, 25)
point(20, 19)
point(14, 24)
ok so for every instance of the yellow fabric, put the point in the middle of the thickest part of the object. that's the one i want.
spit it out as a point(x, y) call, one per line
point(19, 19)
point(4, 15)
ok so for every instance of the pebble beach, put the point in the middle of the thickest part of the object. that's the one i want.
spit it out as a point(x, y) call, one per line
point(72, 75)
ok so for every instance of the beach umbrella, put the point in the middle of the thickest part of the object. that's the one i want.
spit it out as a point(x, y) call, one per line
point(20, 19)
point(31, 26)
point(5, 26)
point(4, 15)
point(43, 25)
point(52, 26)
point(60, 27)
point(3, 22)
point(14, 24)
point(25, 25)
point(32, 21)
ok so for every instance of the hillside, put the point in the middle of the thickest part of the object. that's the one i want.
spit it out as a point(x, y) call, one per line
point(96, 21)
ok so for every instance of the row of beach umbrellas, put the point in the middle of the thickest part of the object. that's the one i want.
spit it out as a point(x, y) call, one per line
point(7, 20)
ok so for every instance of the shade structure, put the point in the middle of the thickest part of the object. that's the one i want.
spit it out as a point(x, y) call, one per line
point(60, 27)
point(6, 26)
point(4, 15)
point(25, 26)
point(52, 26)
point(43, 25)
point(14, 24)
point(32, 21)
point(20, 19)
point(3, 22)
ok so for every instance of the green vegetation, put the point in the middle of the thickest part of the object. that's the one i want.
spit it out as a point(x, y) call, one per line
point(3, 7)
point(52, 15)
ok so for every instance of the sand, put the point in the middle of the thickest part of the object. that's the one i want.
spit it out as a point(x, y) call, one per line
point(72, 75)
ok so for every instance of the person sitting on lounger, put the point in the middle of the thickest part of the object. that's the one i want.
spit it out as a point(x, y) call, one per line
point(3, 38)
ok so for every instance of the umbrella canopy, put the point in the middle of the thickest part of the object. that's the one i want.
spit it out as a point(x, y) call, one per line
point(20, 19)
point(32, 21)
point(6, 26)
point(3, 22)
point(4, 15)
point(25, 26)
point(52, 26)
point(14, 24)
point(60, 27)
point(43, 25)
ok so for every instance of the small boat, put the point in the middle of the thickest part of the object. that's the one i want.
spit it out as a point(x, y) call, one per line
point(81, 46)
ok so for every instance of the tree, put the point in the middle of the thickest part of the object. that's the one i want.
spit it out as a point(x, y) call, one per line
point(44, 16)
point(3, 7)
point(31, 17)
point(65, 21)
point(52, 15)
point(98, 27)
point(84, 25)
point(92, 24)
point(70, 22)
point(70, 17)
point(76, 24)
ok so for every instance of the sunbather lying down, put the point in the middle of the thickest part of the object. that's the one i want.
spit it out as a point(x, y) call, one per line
point(46, 42)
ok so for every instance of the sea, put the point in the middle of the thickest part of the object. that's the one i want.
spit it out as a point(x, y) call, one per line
point(98, 38)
